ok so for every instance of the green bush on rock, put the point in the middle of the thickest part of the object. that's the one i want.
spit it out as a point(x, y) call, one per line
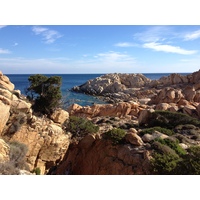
point(79, 127)
point(159, 129)
point(116, 135)
point(169, 120)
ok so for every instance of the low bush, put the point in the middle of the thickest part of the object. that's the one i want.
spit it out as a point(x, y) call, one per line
point(167, 119)
point(18, 154)
point(173, 145)
point(159, 129)
point(37, 171)
point(17, 159)
point(164, 164)
point(116, 135)
point(8, 168)
point(190, 163)
point(80, 127)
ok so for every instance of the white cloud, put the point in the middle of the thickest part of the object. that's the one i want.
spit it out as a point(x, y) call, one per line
point(125, 44)
point(153, 34)
point(4, 51)
point(168, 48)
point(49, 36)
point(192, 36)
point(112, 56)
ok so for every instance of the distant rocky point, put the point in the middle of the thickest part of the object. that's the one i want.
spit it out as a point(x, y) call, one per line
point(171, 92)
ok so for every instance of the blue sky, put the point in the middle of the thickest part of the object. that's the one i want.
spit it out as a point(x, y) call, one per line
point(68, 49)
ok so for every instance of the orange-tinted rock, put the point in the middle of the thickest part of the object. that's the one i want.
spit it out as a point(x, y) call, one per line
point(104, 158)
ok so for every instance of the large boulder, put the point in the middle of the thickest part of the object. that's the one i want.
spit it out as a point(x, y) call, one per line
point(60, 116)
point(133, 138)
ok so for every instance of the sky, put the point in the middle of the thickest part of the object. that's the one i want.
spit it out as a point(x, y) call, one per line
point(82, 49)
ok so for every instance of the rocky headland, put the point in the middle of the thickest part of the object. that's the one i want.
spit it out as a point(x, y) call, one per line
point(149, 117)
point(174, 92)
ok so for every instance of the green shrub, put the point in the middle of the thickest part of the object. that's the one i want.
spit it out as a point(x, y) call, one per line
point(190, 163)
point(80, 127)
point(164, 164)
point(167, 119)
point(37, 171)
point(173, 145)
point(159, 129)
point(163, 148)
point(116, 135)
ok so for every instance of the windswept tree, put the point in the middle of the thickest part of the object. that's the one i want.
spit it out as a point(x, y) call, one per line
point(44, 92)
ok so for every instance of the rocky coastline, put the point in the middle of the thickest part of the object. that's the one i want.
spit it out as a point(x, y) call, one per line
point(136, 104)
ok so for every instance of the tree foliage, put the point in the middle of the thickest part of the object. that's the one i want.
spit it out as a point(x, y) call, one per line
point(44, 92)
point(79, 127)
point(116, 135)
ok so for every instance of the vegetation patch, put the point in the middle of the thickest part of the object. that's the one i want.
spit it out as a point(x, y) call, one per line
point(173, 144)
point(17, 159)
point(116, 135)
point(170, 120)
point(159, 129)
point(45, 93)
point(37, 171)
point(79, 127)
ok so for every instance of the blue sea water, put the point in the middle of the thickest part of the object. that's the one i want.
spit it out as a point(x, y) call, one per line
point(70, 80)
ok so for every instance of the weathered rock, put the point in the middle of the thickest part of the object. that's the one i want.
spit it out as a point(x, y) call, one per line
point(4, 151)
point(114, 110)
point(103, 158)
point(21, 106)
point(5, 82)
point(189, 93)
point(149, 137)
point(190, 110)
point(112, 83)
point(4, 112)
point(162, 106)
point(173, 79)
point(133, 138)
point(194, 77)
point(144, 116)
point(60, 116)
point(46, 146)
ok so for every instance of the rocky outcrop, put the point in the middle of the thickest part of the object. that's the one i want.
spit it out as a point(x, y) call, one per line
point(5, 82)
point(46, 141)
point(47, 144)
point(166, 93)
point(112, 83)
point(114, 110)
point(94, 155)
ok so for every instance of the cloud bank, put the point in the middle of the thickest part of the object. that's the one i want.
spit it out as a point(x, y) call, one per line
point(48, 35)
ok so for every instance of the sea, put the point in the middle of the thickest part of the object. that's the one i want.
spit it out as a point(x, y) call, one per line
point(69, 81)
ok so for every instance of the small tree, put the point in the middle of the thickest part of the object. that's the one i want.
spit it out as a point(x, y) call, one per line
point(44, 92)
